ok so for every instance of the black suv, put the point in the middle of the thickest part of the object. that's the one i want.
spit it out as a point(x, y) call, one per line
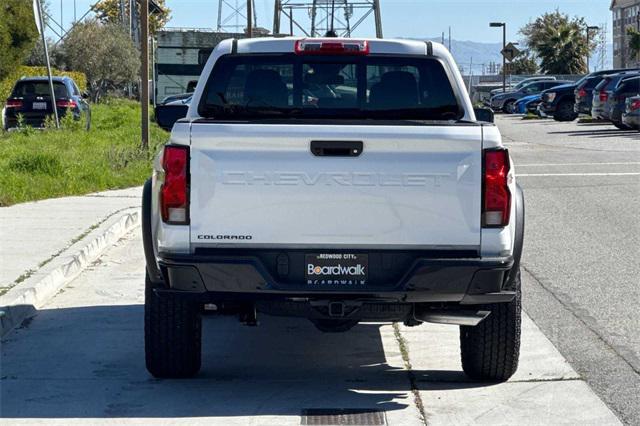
point(31, 98)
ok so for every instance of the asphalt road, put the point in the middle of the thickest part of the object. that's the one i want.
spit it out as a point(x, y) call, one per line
point(582, 248)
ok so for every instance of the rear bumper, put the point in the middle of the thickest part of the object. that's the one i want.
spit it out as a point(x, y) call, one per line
point(249, 277)
point(632, 119)
point(36, 119)
point(583, 107)
point(546, 108)
point(599, 113)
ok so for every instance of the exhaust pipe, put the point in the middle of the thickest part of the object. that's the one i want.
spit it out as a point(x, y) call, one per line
point(453, 317)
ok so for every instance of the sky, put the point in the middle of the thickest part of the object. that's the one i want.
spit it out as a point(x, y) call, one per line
point(469, 19)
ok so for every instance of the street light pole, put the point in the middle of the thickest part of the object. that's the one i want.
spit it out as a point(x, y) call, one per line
point(589, 28)
point(504, 45)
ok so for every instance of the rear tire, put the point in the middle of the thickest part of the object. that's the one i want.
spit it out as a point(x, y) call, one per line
point(509, 106)
point(621, 125)
point(565, 112)
point(172, 335)
point(490, 350)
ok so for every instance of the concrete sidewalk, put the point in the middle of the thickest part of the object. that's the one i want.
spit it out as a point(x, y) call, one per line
point(34, 233)
point(46, 244)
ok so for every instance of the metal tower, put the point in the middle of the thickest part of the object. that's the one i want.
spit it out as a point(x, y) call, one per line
point(321, 16)
point(602, 47)
point(232, 15)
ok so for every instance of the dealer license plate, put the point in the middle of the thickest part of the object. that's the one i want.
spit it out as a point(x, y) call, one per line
point(336, 269)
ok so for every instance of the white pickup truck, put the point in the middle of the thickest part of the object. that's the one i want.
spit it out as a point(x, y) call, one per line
point(338, 180)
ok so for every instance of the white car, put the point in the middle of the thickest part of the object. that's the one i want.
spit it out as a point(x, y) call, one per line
point(385, 200)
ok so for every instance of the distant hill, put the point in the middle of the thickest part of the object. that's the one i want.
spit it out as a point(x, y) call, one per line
point(466, 52)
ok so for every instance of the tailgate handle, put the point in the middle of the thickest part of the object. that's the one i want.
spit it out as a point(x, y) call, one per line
point(336, 148)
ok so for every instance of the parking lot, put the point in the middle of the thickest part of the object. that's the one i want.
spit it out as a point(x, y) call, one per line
point(582, 188)
point(80, 359)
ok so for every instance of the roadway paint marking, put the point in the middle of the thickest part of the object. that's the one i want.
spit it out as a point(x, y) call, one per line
point(577, 164)
point(576, 174)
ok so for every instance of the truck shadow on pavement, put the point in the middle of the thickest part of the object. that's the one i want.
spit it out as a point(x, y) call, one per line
point(88, 362)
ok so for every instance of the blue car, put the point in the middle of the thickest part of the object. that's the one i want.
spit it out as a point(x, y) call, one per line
point(521, 106)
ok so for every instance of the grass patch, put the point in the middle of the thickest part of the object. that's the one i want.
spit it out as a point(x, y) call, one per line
point(531, 116)
point(53, 163)
point(591, 120)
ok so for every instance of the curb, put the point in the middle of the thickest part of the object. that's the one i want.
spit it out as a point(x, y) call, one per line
point(15, 308)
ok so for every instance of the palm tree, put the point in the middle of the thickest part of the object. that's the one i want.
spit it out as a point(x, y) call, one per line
point(559, 43)
point(564, 51)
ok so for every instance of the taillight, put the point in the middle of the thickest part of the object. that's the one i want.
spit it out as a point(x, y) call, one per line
point(582, 93)
point(331, 46)
point(174, 194)
point(635, 105)
point(604, 96)
point(63, 103)
point(496, 197)
point(14, 103)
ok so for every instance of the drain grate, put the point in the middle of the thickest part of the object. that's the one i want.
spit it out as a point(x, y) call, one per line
point(343, 417)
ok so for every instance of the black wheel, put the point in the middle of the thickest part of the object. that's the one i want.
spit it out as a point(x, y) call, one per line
point(621, 125)
point(490, 350)
point(565, 112)
point(509, 106)
point(172, 335)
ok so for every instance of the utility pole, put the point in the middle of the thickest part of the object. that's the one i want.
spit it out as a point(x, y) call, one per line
point(449, 39)
point(52, 92)
point(291, 21)
point(504, 44)
point(378, 16)
point(589, 28)
point(249, 18)
point(144, 83)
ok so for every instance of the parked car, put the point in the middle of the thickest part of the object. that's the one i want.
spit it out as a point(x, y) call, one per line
point(178, 97)
point(558, 102)
point(616, 103)
point(528, 104)
point(584, 90)
point(631, 115)
point(604, 90)
point(259, 200)
point(522, 83)
point(506, 101)
point(31, 99)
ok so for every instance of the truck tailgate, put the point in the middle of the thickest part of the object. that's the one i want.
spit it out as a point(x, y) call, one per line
point(260, 185)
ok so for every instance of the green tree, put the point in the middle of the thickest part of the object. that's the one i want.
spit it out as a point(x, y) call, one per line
point(634, 42)
point(559, 42)
point(524, 64)
point(18, 33)
point(112, 62)
point(108, 11)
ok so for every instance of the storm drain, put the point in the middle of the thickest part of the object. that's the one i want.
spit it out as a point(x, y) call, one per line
point(343, 416)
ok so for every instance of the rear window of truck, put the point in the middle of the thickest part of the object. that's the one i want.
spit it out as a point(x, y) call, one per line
point(336, 87)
